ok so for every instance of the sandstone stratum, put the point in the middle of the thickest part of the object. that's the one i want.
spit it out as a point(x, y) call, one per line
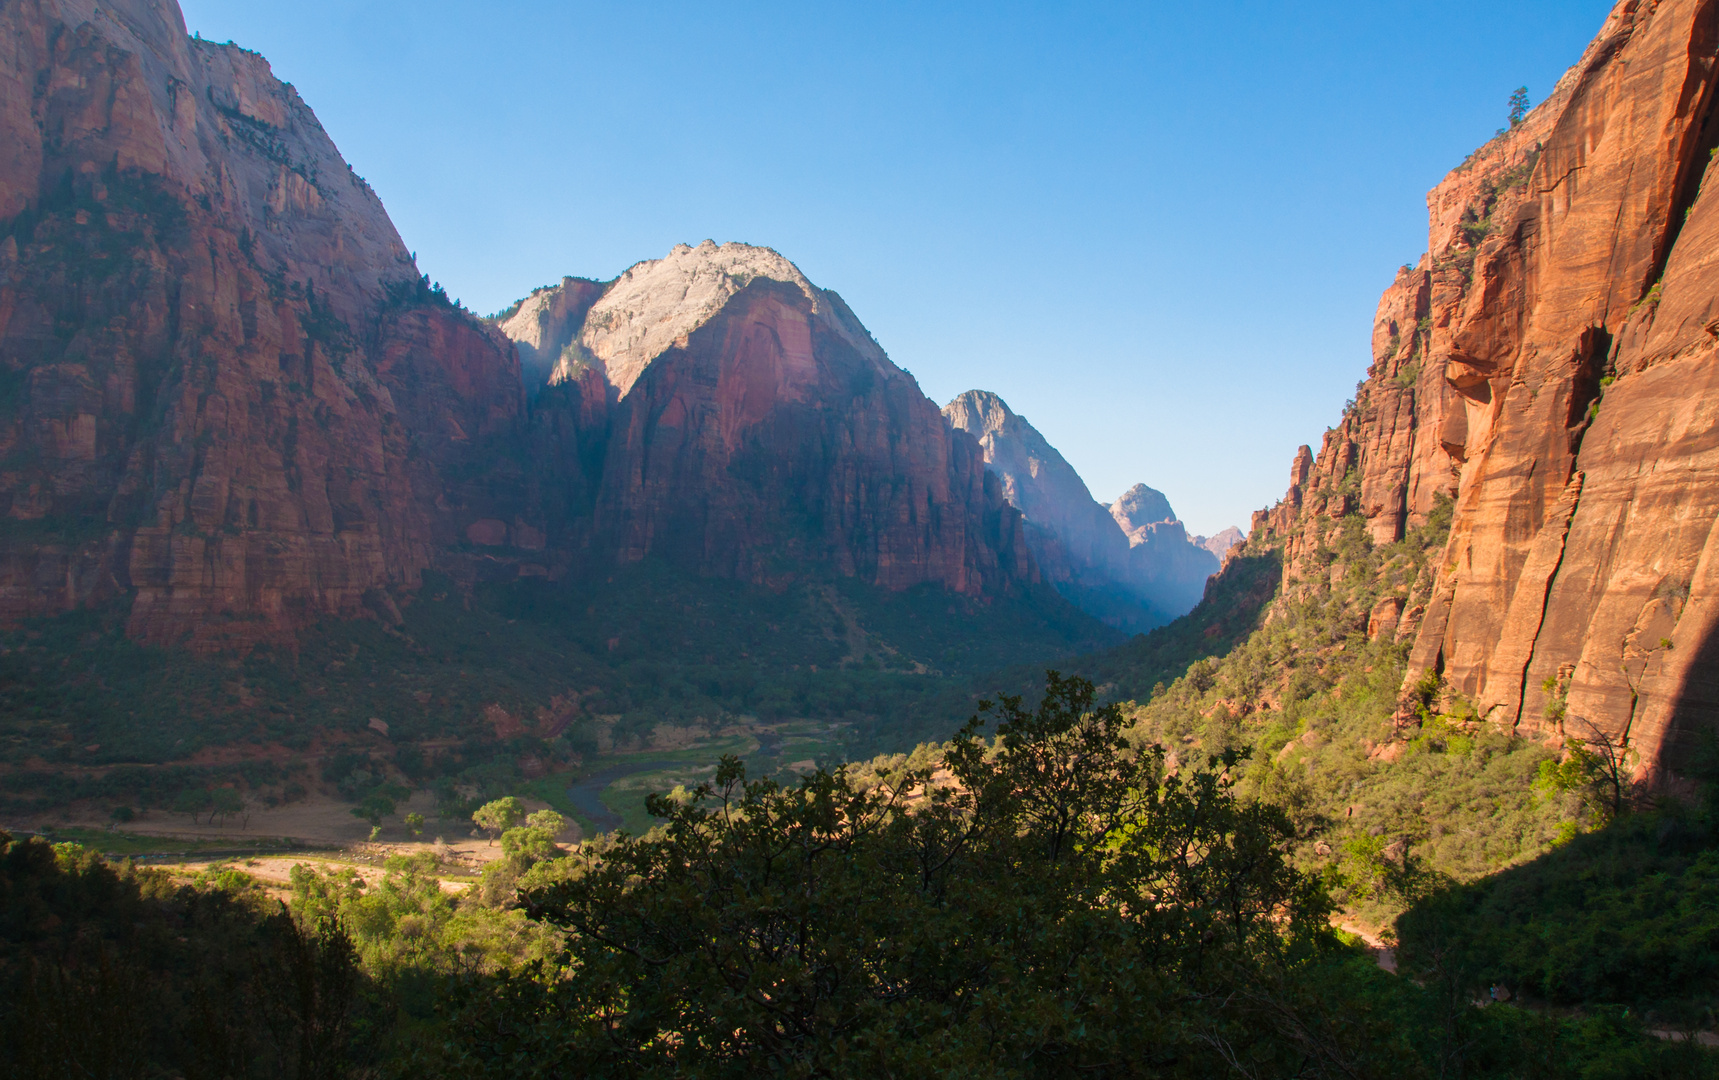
point(1552, 365)
point(225, 391)
point(228, 397)
point(1131, 563)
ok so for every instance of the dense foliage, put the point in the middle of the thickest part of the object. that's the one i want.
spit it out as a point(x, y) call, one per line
point(1056, 901)
point(111, 973)
point(1313, 695)
point(87, 714)
point(1054, 905)
point(1624, 916)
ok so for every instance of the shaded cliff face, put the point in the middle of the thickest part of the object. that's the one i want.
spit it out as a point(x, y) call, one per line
point(1163, 561)
point(1552, 366)
point(544, 325)
point(222, 385)
point(1134, 551)
point(1073, 536)
point(717, 409)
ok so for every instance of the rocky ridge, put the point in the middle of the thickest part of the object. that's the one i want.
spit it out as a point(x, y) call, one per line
point(1220, 544)
point(737, 419)
point(227, 395)
point(1552, 365)
point(1136, 550)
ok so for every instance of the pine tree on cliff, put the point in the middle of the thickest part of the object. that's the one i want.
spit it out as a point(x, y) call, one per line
point(1518, 105)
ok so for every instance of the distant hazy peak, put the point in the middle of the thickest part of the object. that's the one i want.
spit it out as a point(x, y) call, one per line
point(1035, 476)
point(979, 412)
point(1139, 507)
point(1220, 544)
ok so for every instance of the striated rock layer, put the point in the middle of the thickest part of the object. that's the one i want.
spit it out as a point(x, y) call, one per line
point(222, 385)
point(227, 395)
point(1135, 550)
point(1553, 366)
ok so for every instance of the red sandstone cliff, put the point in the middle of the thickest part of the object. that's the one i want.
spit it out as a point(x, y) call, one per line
point(222, 387)
point(1553, 365)
point(226, 394)
point(717, 409)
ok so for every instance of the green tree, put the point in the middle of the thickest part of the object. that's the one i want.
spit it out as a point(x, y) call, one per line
point(225, 802)
point(1518, 105)
point(1056, 904)
point(112, 971)
point(536, 838)
point(1598, 770)
point(499, 816)
point(522, 848)
point(376, 806)
point(415, 822)
point(193, 801)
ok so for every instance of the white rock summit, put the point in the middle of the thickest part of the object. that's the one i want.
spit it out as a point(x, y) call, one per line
point(621, 326)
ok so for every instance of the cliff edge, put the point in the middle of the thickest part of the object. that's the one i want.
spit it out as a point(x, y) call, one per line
point(1552, 365)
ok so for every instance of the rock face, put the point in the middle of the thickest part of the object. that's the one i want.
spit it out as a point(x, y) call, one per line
point(223, 386)
point(1071, 534)
point(717, 409)
point(227, 393)
point(1164, 562)
point(1553, 366)
point(1138, 509)
point(1220, 544)
point(544, 324)
point(1135, 551)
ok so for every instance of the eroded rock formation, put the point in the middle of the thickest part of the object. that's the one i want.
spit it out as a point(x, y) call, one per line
point(1135, 550)
point(1553, 365)
point(723, 412)
point(227, 395)
point(223, 387)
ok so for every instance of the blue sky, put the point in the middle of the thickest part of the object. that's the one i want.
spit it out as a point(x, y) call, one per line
point(1158, 230)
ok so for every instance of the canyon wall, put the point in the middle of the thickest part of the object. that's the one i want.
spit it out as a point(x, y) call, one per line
point(1131, 564)
point(1552, 366)
point(223, 388)
point(228, 398)
point(718, 410)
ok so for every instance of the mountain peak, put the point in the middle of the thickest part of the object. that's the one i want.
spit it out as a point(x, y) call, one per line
point(659, 301)
point(656, 304)
point(1221, 543)
point(979, 412)
point(1139, 507)
point(1036, 479)
point(1108, 559)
